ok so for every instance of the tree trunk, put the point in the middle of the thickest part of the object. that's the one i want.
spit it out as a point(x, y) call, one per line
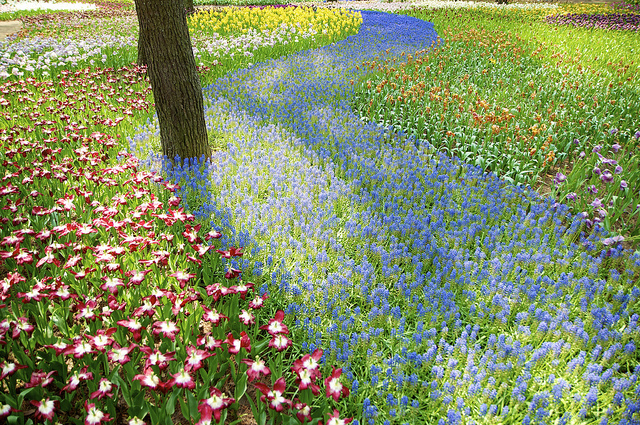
point(142, 57)
point(171, 67)
point(188, 7)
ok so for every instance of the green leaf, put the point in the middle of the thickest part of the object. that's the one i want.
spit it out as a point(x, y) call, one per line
point(184, 408)
point(171, 403)
point(241, 387)
point(193, 404)
point(155, 418)
point(126, 391)
point(23, 394)
point(139, 407)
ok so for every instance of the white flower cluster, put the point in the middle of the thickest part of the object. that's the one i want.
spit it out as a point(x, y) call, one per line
point(45, 54)
point(245, 44)
point(12, 6)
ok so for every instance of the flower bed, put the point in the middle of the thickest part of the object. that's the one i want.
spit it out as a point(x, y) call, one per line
point(114, 304)
point(444, 292)
point(609, 21)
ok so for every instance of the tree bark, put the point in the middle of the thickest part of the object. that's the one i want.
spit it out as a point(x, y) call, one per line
point(188, 7)
point(142, 57)
point(171, 67)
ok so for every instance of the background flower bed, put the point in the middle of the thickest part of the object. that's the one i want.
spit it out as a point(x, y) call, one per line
point(447, 294)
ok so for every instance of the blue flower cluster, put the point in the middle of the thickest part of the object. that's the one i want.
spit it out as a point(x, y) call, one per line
point(448, 294)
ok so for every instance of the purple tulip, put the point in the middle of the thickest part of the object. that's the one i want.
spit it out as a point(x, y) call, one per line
point(615, 239)
point(597, 203)
point(615, 147)
point(623, 184)
point(560, 178)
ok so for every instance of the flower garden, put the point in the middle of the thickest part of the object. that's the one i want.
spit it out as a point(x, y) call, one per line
point(427, 215)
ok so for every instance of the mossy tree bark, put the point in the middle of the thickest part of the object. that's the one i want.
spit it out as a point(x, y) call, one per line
point(165, 46)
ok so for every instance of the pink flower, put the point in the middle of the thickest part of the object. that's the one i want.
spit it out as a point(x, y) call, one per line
point(136, 277)
point(280, 342)
point(256, 367)
point(167, 328)
point(217, 290)
point(213, 235)
point(94, 416)
point(22, 325)
point(333, 385)
point(157, 358)
point(303, 411)
point(209, 342)
point(216, 402)
point(231, 252)
point(59, 347)
point(134, 326)
point(309, 362)
point(86, 310)
point(236, 344)
point(306, 379)
point(275, 396)
point(242, 288)
point(212, 316)
point(104, 390)
point(150, 380)
point(76, 378)
point(120, 354)
point(9, 368)
point(49, 258)
point(148, 307)
point(334, 419)
point(275, 325)
point(182, 277)
point(6, 410)
point(102, 339)
point(45, 409)
point(232, 273)
point(179, 301)
point(191, 233)
point(247, 318)
point(111, 284)
point(201, 249)
point(183, 379)
point(257, 302)
point(79, 349)
point(83, 273)
point(195, 357)
point(40, 378)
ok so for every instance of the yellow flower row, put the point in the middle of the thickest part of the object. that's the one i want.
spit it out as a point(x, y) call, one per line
point(241, 20)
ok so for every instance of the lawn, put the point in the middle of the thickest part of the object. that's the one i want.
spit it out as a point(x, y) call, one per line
point(428, 216)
